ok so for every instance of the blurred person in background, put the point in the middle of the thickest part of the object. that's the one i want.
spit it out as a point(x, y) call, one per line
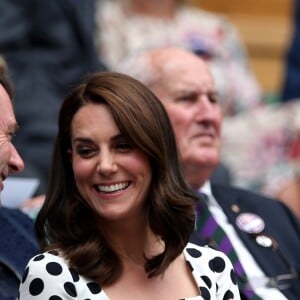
point(48, 47)
point(291, 80)
point(127, 26)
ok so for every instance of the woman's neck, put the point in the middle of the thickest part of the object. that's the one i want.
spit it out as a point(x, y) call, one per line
point(133, 241)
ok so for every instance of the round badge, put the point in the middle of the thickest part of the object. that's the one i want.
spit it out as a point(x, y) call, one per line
point(264, 241)
point(250, 223)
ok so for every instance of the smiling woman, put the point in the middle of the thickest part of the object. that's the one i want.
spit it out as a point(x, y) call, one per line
point(118, 212)
point(110, 172)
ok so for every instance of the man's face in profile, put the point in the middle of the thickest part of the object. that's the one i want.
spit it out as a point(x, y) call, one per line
point(188, 93)
point(10, 160)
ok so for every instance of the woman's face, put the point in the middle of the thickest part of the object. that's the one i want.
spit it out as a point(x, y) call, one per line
point(111, 174)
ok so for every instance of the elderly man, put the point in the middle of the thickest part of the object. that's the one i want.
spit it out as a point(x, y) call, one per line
point(261, 235)
point(18, 242)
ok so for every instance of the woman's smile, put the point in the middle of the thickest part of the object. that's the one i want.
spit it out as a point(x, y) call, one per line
point(111, 188)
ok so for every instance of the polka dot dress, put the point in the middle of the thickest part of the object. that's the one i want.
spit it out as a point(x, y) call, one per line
point(48, 276)
point(213, 273)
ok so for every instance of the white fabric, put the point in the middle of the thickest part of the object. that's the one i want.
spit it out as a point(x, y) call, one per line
point(48, 276)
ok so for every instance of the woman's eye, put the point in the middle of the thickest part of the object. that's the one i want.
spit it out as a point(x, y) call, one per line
point(124, 146)
point(84, 151)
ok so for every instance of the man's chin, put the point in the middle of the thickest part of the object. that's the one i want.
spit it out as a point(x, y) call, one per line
point(200, 165)
point(209, 158)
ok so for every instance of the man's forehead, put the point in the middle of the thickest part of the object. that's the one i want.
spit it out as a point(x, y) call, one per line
point(186, 84)
point(181, 71)
point(187, 73)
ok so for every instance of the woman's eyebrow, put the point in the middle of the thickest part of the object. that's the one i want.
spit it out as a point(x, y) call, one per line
point(89, 140)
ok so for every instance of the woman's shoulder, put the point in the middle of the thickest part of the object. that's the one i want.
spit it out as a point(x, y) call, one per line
point(48, 274)
point(204, 250)
point(50, 262)
point(213, 271)
point(215, 260)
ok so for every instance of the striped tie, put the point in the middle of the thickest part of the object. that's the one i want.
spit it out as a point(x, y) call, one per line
point(208, 228)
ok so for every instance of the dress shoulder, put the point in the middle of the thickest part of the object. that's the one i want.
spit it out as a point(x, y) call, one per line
point(49, 276)
point(212, 271)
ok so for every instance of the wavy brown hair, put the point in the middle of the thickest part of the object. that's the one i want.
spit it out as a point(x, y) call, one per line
point(67, 223)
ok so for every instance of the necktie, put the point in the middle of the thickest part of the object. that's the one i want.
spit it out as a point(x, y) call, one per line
point(209, 229)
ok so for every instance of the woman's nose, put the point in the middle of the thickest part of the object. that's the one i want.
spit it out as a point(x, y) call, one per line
point(106, 164)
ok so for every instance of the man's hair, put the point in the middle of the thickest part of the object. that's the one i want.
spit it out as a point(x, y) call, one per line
point(4, 80)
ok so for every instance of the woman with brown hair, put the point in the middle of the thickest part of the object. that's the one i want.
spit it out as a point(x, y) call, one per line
point(118, 214)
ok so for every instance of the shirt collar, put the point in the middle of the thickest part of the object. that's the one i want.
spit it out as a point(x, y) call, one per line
point(206, 189)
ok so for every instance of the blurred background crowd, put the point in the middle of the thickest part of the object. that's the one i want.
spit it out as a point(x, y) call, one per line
point(252, 48)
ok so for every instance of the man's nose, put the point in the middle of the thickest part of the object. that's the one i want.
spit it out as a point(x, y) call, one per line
point(205, 109)
point(16, 163)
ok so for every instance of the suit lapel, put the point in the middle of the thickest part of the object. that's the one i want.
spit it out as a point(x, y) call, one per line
point(234, 204)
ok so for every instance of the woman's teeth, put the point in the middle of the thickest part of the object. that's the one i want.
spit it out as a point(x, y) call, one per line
point(113, 187)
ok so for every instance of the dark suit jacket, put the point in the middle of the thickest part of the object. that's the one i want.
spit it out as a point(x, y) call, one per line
point(49, 46)
point(280, 224)
point(17, 245)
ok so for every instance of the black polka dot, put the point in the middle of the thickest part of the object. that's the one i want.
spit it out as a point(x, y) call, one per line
point(39, 257)
point(207, 281)
point(228, 295)
point(217, 264)
point(194, 252)
point(70, 289)
point(54, 268)
point(25, 274)
point(74, 274)
point(94, 287)
point(205, 293)
point(54, 297)
point(233, 276)
point(36, 286)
